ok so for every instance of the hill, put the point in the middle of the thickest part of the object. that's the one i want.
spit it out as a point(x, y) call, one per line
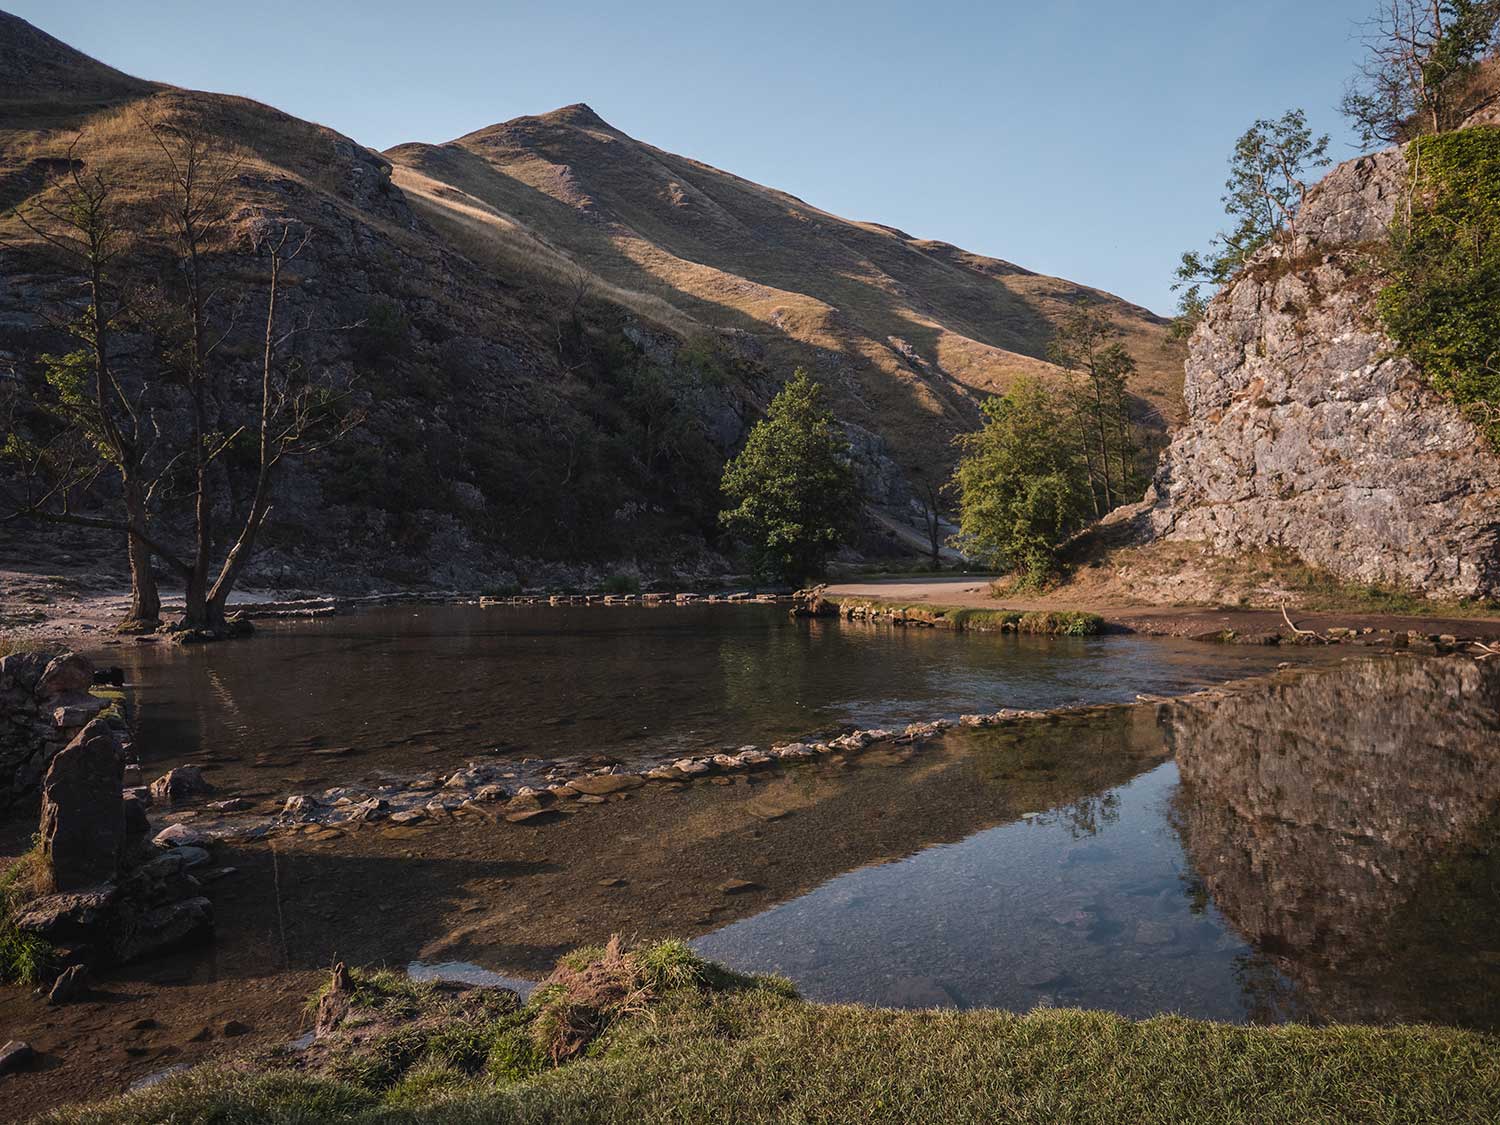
point(560, 333)
point(913, 332)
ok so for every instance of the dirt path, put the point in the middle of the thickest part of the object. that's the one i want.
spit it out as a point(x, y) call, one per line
point(971, 592)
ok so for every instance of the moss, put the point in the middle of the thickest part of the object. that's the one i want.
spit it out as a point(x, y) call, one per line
point(1442, 301)
point(1071, 623)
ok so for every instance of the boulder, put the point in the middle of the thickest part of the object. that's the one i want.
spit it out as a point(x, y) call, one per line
point(180, 784)
point(83, 810)
point(68, 674)
point(68, 918)
point(181, 836)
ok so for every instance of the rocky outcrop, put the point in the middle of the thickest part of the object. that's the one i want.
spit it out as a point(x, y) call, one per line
point(1306, 432)
point(44, 703)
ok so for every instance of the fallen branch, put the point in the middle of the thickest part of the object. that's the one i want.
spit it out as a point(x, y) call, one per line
point(1296, 632)
point(1485, 650)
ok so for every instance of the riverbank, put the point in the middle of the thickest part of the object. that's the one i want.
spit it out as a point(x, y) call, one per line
point(966, 592)
point(661, 1035)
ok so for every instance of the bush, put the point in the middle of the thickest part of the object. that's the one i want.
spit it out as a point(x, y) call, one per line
point(1442, 302)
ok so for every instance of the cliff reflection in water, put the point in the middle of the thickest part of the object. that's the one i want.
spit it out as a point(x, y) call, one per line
point(1346, 824)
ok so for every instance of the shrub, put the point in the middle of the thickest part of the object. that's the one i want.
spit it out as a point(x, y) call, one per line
point(1442, 302)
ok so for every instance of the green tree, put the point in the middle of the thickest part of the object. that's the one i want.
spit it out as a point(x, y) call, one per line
point(792, 487)
point(1268, 182)
point(1023, 486)
point(1087, 344)
point(1421, 57)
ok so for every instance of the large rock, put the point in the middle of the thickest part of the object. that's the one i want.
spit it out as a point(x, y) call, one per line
point(83, 812)
point(1306, 432)
point(70, 918)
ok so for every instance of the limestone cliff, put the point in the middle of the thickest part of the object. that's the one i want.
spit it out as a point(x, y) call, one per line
point(1304, 431)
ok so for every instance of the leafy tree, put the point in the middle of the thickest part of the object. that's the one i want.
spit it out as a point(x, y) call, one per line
point(793, 488)
point(1098, 404)
point(1268, 182)
point(1023, 488)
point(1422, 55)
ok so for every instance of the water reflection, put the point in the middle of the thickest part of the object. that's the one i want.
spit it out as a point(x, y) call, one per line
point(1322, 848)
point(1347, 824)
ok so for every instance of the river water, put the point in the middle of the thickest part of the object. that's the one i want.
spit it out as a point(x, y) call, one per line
point(1322, 845)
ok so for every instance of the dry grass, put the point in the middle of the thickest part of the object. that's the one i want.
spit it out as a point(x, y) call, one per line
point(910, 333)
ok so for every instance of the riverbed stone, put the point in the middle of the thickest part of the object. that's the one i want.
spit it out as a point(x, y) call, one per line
point(83, 813)
point(181, 836)
point(181, 784)
point(603, 784)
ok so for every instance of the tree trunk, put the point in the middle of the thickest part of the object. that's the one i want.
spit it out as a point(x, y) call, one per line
point(145, 600)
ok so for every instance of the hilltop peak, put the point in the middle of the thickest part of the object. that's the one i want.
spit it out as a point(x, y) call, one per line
point(579, 114)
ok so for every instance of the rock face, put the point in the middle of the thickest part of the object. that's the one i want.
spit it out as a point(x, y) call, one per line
point(83, 810)
point(44, 703)
point(1305, 432)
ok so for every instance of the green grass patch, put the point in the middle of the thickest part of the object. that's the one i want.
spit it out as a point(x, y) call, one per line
point(704, 1044)
point(24, 958)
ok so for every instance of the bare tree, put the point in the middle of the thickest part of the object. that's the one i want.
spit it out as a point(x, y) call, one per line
point(296, 416)
point(201, 171)
point(1421, 55)
point(932, 516)
point(97, 422)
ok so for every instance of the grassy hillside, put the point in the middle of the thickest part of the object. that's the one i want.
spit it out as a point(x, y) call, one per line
point(911, 332)
point(564, 332)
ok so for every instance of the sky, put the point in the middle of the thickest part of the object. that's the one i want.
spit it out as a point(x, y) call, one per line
point(1087, 139)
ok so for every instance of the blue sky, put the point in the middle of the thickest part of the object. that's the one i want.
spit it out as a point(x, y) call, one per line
point(1081, 138)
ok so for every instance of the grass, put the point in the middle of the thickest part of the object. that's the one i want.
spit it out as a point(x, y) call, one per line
point(24, 958)
point(694, 1042)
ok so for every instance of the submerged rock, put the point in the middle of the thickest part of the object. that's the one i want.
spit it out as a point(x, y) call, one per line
point(180, 784)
